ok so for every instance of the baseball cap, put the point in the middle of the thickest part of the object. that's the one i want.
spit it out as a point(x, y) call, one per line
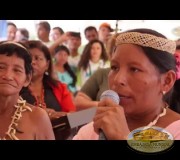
point(107, 25)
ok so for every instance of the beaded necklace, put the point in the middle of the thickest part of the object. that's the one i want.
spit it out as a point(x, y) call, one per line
point(163, 113)
point(39, 99)
point(20, 108)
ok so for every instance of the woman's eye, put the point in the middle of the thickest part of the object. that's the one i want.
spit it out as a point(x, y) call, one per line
point(37, 58)
point(2, 67)
point(17, 70)
point(133, 69)
point(114, 68)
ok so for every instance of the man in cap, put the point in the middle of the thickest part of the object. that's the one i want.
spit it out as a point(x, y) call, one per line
point(104, 32)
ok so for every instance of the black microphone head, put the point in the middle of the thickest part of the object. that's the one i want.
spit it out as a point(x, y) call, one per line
point(111, 95)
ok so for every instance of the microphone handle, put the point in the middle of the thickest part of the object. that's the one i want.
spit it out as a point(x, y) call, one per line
point(102, 135)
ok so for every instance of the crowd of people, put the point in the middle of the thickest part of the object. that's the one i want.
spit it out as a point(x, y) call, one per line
point(42, 80)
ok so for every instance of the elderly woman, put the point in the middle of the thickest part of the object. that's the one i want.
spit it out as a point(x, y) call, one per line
point(18, 120)
point(143, 71)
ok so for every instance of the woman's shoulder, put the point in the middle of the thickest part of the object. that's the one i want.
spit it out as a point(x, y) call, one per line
point(35, 111)
point(102, 71)
point(38, 117)
point(174, 118)
point(62, 87)
point(174, 124)
point(174, 129)
point(86, 133)
point(59, 85)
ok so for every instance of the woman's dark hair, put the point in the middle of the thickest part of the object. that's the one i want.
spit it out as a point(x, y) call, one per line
point(49, 78)
point(59, 29)
point(164, 61)
point(25, 33)
point(177, 47)
point(16, 48)
point(45, 25)
point(66, 65)
point(86, 55)
point(90, 28)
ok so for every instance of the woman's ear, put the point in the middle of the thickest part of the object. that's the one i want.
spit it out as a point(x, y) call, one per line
point(28, 79)
point(168, 80)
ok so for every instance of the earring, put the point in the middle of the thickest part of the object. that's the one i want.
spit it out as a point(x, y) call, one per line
point(163, 92)
point(46, 73)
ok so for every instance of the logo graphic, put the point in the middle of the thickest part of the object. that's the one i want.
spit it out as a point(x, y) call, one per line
point(150, 139)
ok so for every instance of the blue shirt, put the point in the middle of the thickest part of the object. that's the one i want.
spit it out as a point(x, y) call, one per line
point(67, 79)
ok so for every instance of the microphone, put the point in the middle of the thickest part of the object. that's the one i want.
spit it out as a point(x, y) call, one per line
point(115, 98)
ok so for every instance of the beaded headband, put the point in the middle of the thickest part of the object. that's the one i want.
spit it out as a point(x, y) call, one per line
point(17, 44)
point(146, 40)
